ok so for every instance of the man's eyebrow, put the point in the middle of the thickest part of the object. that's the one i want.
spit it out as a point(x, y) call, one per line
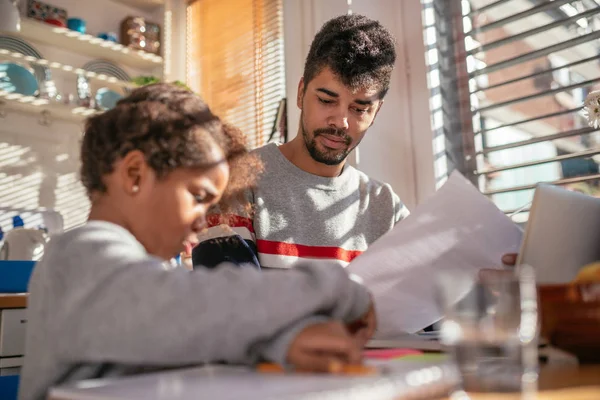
point(334, 94)
point(363, 102)
point(328, 92)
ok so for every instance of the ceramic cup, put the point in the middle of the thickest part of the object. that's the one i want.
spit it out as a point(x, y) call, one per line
point(76, 24)
point(110, 36)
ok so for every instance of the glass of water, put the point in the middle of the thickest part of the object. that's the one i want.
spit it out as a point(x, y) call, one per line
point(490, 328)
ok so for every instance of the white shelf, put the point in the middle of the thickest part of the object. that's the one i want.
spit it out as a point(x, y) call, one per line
point(34, 105)
point(146, 5)
point(86, 44)
point(93, 76)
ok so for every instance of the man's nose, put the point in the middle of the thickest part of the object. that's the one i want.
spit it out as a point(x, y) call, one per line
point(339, 120)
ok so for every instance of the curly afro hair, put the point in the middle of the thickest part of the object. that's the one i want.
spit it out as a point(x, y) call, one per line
point(359, 50)
point(173, 128)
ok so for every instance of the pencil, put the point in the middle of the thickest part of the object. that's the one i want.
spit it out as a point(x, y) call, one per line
point(335, 369)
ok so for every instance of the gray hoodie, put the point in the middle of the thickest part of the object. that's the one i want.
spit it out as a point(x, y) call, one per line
point(101, 306)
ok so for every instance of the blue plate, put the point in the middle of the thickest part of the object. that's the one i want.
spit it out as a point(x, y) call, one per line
point(17, 79)
point(20, 46)
point(107, 99)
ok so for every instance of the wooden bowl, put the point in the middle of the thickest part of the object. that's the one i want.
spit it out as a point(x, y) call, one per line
point(570, 318)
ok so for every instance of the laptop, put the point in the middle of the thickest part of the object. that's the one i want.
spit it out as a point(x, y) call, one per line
point(562, 234)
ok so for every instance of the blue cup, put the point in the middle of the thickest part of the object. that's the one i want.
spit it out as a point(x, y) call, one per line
point(110, 36)
point(76, 24)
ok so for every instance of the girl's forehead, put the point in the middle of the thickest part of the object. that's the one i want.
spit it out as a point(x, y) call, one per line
point(198, 176)
point(214, 152)
point(211, 151)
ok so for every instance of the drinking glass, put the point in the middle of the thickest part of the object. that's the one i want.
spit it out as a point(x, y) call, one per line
point(490, 328)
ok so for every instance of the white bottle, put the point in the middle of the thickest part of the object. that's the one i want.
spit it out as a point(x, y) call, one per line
point(22, 243)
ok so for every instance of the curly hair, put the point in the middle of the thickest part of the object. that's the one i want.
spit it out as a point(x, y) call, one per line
point(359, 50)
point(173, 128)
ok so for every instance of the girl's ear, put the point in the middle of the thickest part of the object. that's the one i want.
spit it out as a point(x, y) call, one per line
point(133, 173)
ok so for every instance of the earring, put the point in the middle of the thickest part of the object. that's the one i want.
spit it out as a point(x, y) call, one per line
point(135, 189)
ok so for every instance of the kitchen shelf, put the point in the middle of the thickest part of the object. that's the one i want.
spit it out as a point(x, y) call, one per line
point(43, 107)
point(6, 55)
point(86, 44)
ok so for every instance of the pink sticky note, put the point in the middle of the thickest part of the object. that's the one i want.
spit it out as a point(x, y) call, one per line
point(388, 354)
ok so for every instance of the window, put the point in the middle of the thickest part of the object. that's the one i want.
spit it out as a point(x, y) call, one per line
point(236, 62)
point(507, 80)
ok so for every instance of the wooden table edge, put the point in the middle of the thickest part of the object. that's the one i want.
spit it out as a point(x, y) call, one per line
point(13, 300)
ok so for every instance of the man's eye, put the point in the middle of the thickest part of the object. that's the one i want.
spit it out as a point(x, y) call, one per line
point(325, 101)
point(361, 110)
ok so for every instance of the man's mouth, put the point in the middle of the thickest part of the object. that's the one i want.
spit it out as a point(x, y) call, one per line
point(332, 141)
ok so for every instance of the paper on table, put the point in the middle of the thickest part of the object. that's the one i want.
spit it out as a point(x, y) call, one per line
point(399, 379)
point(389, 354)
point(457, 228)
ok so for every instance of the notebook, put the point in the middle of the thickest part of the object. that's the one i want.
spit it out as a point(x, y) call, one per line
point(399, 379)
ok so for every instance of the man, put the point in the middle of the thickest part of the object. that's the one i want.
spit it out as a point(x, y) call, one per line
point(309, 204)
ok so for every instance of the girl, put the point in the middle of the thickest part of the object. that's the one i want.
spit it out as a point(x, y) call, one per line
point(103, 301)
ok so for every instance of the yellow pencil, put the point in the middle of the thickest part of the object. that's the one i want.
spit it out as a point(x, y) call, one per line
point(335, 368)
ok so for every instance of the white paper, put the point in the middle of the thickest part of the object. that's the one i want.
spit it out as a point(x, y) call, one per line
point(399, 379)
point(458, 228)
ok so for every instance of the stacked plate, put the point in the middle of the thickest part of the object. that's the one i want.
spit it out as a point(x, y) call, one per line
point(45, 85)
point(105, 97)
point(107, 68)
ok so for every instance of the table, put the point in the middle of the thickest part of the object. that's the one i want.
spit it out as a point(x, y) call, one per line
point(560, 383)
point(13, 300)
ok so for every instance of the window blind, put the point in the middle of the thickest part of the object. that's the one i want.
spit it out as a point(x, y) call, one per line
point(507, 80)
point(235, 60)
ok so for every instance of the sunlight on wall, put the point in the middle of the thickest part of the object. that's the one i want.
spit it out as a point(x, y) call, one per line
point(39, 171)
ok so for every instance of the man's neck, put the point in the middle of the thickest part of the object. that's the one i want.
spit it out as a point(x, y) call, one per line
point(297, 153)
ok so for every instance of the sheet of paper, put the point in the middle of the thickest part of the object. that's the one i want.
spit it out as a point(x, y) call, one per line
point(457, 228)
point(399, 379)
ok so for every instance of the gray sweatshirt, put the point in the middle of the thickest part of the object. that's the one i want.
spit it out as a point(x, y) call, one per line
point(301, 218)
point(101, 306)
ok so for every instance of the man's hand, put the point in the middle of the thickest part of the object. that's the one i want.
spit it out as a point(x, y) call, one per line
point(491, 274)
point(364, 328)
point(324, 347)
point(510, 259)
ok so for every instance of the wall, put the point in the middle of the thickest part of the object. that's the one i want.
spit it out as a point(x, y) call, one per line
point(398, 148)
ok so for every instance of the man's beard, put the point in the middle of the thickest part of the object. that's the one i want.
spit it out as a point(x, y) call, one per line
point(327, 157)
